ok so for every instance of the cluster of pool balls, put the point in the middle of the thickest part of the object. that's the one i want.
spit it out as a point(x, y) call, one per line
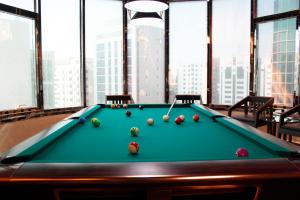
point(134, 147)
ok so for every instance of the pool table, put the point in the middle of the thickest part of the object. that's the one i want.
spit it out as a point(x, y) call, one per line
point(191, 160)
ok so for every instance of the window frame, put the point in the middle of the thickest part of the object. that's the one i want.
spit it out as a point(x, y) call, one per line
point(255, 21)
point(35, 16)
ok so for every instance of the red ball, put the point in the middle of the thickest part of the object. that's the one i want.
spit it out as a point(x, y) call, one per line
point(196, 117)
point(242, 152)
point(178, 120)
point(133, 147)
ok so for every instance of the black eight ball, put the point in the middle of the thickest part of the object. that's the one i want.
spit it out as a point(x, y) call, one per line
point(141, 107)
point(128, 113)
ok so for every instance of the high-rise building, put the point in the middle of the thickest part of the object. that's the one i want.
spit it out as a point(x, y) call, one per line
point(284, 56)
point(67, 90)
point(231, 80)
point(146, 64)
point(109, 66)
point(278, 73)
point(216, 80)
point(17, 63)
point(190, 79)
point(48, 79)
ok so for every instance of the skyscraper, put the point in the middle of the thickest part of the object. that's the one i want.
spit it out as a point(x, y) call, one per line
point(231, 80)
point(109, 67)
point(146, 64)
point(284, 68)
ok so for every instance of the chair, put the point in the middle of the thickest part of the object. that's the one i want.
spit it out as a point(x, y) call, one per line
point(189, 98)
point(255, 111)
point(289, 123)
point(119, 99)
point(296, 99)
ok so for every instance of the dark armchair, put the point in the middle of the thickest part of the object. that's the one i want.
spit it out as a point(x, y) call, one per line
point(189, 98)
point(254, 110)
point(289, 123)
point(119, 99)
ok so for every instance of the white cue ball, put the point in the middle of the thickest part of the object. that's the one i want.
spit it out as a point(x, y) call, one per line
point(150, 121)
point(166, 118)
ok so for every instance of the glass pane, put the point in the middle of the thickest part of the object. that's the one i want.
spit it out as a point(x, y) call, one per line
point(24, 4)
point(188, 49)
point(270, 7)
point(231, 51)
point(146, 69)
point(61, 54)
point(277, 71)
point(17, 62)
point(104, 55)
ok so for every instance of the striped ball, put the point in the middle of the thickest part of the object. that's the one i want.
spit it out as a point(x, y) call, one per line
point(134, 131)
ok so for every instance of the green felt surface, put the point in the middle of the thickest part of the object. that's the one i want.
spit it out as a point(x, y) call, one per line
point(162, 142)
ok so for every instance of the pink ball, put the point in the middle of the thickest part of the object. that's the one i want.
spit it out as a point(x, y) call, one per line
point(242, 152)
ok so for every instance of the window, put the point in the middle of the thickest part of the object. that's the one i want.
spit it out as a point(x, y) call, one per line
point(231, 47)
point(104, 56)
point(270, 7)
point(188, 49)
point(23, 4)
point(17, 62)
point(61, 54)
point(277, 69)
point(147, 83)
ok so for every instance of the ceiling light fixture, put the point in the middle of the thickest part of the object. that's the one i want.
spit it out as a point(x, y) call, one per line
point(146, 5)
point(147, 18)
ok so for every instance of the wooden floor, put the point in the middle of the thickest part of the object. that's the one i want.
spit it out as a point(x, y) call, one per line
point(13, 133)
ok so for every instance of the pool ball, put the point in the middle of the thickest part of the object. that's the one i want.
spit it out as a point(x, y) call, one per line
point(112, 105)
point(182, 118)
point(96, 122)
point(82, 120)
point(150, 121)
point(141, 107)
point(166, 118)
point(196, 117)
point(134, 131)
point(125, 106)
point(242, 152)
point(133, 147)
point(118, 106)
point(128, 113)
point(93, 119)
point(178, 120)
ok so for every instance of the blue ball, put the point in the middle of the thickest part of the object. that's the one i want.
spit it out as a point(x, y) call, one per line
point(82, 120)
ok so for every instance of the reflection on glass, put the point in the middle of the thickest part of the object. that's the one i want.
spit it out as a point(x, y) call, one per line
point(188, 49)
point(61, 54)
point(17, 62)
point(277, 62)
point(231, 51)
point(146, 76)
point(24, 4)
point(270, 7)
point(104, 56)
